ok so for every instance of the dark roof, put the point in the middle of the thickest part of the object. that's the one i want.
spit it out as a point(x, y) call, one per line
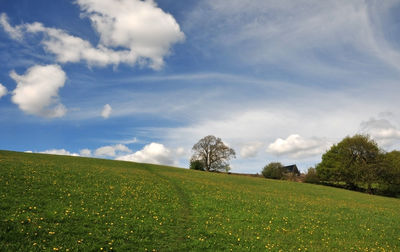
point(292, 169)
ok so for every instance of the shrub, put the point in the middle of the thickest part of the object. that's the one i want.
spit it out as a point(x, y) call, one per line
point(274, 170)
point(311, 176)
point(197, 165)
point(391, 176)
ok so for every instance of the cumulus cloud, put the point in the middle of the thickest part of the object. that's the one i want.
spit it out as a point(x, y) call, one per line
point(85, 152)
point(131, 31)
point(37, 90)
point(3, 90)
point(250, 150)
point(297, 147)
point(106, 112)
point(112, 150)
point(59, 152)
point(14, 32)
point(382, 130)
point(142, 27)
point(153, 153)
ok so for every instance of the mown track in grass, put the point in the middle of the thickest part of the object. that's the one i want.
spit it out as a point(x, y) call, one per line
point(80, 204)
point(184, 220)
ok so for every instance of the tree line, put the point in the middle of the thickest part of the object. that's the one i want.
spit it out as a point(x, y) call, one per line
point(355, 163)
point(358, 163)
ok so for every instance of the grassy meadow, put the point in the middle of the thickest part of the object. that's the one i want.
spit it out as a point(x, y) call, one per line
point(61, 203)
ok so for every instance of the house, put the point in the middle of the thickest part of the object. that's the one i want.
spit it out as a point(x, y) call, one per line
point(292, 169)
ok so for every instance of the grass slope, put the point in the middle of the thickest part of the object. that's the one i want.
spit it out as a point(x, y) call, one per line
point(69, 204)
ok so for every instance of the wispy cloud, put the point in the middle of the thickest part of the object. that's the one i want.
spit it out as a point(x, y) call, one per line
point(306, 37)
point(14, 32)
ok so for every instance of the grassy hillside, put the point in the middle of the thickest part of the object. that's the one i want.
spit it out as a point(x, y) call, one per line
point(70, 204)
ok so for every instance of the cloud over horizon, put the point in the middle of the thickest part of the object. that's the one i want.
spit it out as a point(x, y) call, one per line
point(85, 153)
point(112, 150)
point(297, 147)
point(153, 153)
point(250, 150)
point(62, 152)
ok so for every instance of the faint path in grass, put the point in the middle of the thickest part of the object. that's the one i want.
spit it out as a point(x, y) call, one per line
point(184, 218)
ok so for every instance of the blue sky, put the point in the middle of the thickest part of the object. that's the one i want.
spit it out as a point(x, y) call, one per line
point(145, 80)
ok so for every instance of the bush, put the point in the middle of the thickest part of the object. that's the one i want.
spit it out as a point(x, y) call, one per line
point(391, 177)
point(311, 176)
point(274, 170)
point(290, 176)
point(197, 165)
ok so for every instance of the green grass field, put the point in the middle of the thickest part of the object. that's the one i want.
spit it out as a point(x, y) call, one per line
point(61, 203)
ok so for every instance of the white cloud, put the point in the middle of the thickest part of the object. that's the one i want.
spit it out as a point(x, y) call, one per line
point(130, 141)
point(106, 112)
point(297, 146)
point(59, 152)
point(306, 36)
point(250, 150)
point(142, 27)
point(131, 31)
point(68, 48)
point(3, 90)
point(276, 109)
point(14, 32)
point(153, 153)
point(112, 150)
point(180, 151)
point(382, 130)
point(37, 90)
point(85, 152)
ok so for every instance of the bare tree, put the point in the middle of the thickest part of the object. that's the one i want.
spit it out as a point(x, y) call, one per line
point(213, 153)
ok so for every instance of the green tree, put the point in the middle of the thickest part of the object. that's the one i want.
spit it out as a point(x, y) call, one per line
point(213, 153)
point(392, 172)
point(356, 161)
point(274, 170)
point(197, 165)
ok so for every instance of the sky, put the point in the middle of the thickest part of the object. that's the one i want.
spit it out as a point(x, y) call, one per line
point(143, 81)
